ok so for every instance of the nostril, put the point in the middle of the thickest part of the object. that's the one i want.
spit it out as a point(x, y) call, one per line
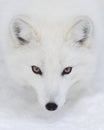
point(51, 106)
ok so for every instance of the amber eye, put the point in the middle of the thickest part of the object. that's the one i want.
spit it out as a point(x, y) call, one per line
point(67, 70)
point(36, 70)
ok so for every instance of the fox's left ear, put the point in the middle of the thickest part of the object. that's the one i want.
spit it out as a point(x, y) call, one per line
point(21, 31)
point(81, 30)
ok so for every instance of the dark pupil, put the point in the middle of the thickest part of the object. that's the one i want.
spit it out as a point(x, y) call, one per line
point(67, 70)
point(36, 69)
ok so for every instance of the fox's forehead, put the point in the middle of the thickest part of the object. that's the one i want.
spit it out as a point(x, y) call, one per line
point(57, 56)
point(46, 55)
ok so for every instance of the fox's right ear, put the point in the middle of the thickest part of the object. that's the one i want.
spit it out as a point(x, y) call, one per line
point(21, 31)
point(81, 31)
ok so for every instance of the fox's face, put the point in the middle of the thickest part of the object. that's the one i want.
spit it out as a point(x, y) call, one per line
point(50, 58)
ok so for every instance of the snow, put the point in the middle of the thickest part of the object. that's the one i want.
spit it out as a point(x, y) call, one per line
point(19, 111)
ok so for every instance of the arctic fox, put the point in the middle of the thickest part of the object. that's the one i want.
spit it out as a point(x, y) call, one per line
point(52, 56)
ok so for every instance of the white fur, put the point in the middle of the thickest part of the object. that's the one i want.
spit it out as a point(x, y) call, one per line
point(53, 31)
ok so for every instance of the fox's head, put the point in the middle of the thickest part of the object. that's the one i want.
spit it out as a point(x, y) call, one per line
point(52, 58)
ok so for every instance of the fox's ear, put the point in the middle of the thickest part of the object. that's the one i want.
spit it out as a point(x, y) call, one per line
point(21, 31)
point(82, 30)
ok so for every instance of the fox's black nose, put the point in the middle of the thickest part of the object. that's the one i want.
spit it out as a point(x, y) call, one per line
point(51, 106)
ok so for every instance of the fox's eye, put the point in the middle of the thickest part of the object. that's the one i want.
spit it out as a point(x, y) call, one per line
point(67, 70)
point(36, 70)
